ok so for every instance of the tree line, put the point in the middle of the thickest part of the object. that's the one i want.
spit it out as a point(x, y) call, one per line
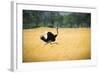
point(34, 19)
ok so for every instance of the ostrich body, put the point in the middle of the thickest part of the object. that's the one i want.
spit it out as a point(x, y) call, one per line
point(49, 37)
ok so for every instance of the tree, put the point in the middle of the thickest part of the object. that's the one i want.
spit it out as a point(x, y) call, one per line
point(33, 19)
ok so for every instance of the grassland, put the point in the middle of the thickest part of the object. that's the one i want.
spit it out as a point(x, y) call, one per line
point(72, 44)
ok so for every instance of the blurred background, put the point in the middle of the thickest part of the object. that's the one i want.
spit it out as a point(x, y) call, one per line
point(33, 19)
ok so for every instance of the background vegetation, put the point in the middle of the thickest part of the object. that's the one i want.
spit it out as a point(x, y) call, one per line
point(33, 19)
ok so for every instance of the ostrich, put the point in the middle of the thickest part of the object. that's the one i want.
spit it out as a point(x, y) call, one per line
point(49, 37)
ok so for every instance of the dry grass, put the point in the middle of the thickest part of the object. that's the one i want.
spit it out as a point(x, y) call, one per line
point(73, 44)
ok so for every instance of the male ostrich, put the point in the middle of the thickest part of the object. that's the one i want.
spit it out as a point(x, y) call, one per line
point(49, 37)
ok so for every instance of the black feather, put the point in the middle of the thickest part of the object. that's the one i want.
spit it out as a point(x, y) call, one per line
point(50, 37)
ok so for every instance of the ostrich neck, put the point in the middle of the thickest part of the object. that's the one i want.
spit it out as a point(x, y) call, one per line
point(57, 30)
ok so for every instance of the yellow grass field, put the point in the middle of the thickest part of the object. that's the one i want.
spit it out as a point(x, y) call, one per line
point(72, 44)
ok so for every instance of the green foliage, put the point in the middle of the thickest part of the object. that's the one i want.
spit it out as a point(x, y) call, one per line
point(34, 19)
